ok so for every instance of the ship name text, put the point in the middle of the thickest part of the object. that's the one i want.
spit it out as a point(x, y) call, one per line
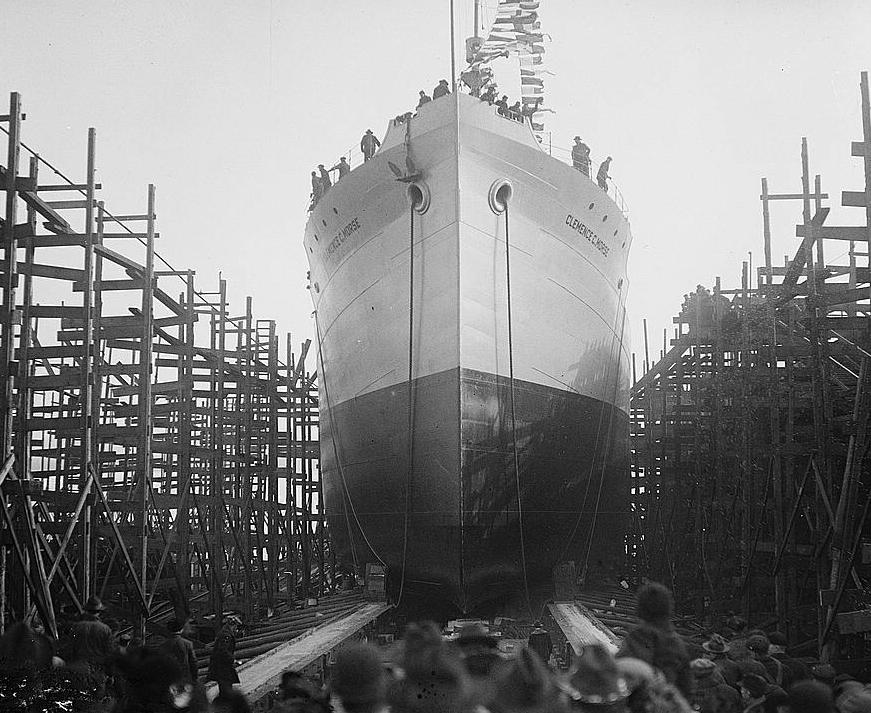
point(594, 240)
point(343, 235)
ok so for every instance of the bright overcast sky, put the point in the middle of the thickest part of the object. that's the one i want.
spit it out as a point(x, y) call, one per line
point(227, 107)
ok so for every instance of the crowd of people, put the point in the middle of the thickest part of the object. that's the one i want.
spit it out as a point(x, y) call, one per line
point(321, 180)
point(655, 670)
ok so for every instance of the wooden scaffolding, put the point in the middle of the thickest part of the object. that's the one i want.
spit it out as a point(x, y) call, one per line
point(156, 450)
point(750, 434)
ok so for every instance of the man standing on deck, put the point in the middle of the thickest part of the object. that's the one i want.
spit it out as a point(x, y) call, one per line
point(602, 176)
point(581, 156)
point(317, 189)
point(369, 144)
point(342, 167)
point(326, 183)
point(424, 99)
point(441, 90)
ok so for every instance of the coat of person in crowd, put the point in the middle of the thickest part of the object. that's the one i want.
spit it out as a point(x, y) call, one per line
point(798, 671)
point(711, 693)
point(809, 697)
point(717, 650)
point(180, 648)
point(479, 650)
point(655, 641)
point(759, 695)
point(524, 684)
point(758, 646)
point(358, 680)
point(92, 645)
point(435, 678)
point(649, 692)
point(222, 664)
point(540, 642)
point(152, 682)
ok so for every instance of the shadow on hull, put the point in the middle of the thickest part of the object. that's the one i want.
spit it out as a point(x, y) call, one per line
point(451, 524)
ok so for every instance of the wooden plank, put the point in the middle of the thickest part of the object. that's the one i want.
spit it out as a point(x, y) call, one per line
point(259, 676)
point(56, 311)
point(857, 148)
point(64, 380)
point(836, 232)
point(580, 627)
point(68, 205)
point(62, 240)
point(54, 272)
point(112, 285)
point(61, 351)
point(793, 196)
point(119, 259)
point(853, 199)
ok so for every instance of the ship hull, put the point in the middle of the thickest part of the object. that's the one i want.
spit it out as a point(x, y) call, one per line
point(458, 533)
point(495, 337)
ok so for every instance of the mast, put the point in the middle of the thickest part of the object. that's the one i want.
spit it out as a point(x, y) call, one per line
point(477, 5)
point(453, 54)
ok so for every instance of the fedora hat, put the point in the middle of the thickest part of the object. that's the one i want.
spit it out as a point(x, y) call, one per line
point(716, 645)
point(94, 604)
point(596, 679)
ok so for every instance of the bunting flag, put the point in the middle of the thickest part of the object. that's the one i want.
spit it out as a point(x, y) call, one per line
point(516, 31)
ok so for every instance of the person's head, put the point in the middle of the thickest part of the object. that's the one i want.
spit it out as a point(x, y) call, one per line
point(422, 93)
point(703, 670)
point(368, 131)
point(314, 173)
point(342, 160)
point(21, 644)
point(358, 679)
point(777, 642)
point(854, 699)
point(825, 673)
point(443, 81)
point(321, 166)
point(753, 686)
point(597, 683)
point(609, 159)
point(150, 676)
point(435, 678)
point(505, 97)
point(577, 139)
point(525, 685)
point(654, 600)
point(758, 645)
point(809, 697)
point(94, 607)
point(715, 647)
point(176, 626)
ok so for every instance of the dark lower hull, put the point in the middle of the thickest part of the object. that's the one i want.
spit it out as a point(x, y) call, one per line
point(456, 513)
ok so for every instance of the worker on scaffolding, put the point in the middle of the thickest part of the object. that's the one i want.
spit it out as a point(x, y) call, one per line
point(602, 175)
point(581, 156)
point(369, 144)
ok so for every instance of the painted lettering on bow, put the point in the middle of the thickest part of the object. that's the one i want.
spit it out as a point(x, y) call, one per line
point(581, 229)
point(343, 235)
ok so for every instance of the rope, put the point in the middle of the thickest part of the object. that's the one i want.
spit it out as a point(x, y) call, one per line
point(514, 416)
point(598, 438)
point(408, 479)
point(607, 440)
point(347, 493)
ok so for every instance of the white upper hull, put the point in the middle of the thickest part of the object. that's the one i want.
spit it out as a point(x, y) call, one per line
point(569, 248)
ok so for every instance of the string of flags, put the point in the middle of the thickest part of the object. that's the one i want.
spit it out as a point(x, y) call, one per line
point(516, 30)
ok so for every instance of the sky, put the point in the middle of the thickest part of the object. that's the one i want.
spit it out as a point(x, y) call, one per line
point(227, 106)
